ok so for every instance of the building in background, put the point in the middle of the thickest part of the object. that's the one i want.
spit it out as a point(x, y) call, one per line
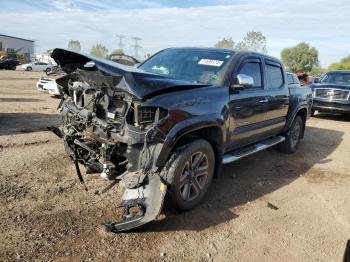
point(15, 46)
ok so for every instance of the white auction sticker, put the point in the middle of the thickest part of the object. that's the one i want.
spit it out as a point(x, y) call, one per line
point(210, 62)
point(110, 115)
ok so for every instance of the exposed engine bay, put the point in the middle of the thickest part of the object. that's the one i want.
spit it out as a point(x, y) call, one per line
point(106, 126)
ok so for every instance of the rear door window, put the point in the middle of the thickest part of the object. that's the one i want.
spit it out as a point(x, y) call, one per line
point(274, 76)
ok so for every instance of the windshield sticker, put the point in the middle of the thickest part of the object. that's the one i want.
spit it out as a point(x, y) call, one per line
point(210, 62)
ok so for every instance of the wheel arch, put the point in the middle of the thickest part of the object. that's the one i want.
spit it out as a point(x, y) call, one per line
point(210, 130)
point(301, 111)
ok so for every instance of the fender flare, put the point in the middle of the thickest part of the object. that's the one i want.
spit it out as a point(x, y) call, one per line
point(186, 127)
point(294, 113)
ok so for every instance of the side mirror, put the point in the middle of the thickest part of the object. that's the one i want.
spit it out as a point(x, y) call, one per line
point(317, 80)
point(243, 81)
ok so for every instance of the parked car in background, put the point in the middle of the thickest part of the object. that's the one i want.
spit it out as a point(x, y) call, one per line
point(331, 93)
point(38, 66)
point(8, 63)
point(174, 120)
point(292, 80)
point(48, 85)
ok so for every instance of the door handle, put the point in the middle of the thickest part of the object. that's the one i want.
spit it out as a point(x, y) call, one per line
point(264, 100)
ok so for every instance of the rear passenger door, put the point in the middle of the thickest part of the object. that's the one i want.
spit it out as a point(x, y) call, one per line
point(277, 96)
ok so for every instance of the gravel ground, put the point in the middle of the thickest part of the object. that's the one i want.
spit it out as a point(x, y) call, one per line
point(45, 215)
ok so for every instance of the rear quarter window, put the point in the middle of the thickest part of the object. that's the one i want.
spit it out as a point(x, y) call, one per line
point(274, 76)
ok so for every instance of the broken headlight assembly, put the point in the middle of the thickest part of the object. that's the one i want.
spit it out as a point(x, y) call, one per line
point(143, 115)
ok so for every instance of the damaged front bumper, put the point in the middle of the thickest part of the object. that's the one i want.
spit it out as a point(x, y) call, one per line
point(140, 205)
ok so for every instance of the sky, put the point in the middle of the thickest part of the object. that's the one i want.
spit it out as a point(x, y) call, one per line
point(160, 24)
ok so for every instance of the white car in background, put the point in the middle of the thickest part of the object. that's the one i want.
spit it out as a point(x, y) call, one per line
point(38, 66)
point(48, 85)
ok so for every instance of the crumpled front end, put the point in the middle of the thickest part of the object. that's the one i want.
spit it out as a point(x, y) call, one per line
point(110, 132)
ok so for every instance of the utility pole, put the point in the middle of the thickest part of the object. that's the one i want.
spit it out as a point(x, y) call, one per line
point(121, 44)
point(136, 46)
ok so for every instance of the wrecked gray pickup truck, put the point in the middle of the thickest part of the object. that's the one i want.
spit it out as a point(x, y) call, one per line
point(169, 124)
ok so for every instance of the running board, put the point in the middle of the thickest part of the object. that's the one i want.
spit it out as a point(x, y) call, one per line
point(251, 149)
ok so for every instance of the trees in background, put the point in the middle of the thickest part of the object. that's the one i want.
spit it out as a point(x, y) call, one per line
point(301, 58)
point(343, 64)
point(225, 43)
point(99, 50)
point(74, 45)
point(253, 41)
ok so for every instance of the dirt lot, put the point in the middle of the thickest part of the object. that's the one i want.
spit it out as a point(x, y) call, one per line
point(44, 214)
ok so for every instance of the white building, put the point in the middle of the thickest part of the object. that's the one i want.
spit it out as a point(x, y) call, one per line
point(11, 44)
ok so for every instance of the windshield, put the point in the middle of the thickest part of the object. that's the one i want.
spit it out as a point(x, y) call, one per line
point(336, 78)
point(197, 66)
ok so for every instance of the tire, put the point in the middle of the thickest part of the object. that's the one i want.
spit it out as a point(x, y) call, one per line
point(47, 70)
point(29, 68)
point(13, 68)
point(188, 186)
point(293, 136)
point(312, 112)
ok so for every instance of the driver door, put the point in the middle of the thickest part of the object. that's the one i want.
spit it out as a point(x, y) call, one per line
point(247, 105)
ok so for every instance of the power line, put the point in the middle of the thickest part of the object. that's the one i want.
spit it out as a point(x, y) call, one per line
point(121, 44)
point(136, 46)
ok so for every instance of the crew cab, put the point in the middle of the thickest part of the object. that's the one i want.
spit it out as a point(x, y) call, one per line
point(331, 93)
point(167, 126)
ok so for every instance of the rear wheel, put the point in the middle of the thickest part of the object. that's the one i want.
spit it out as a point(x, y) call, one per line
point(191, 172)
point(312, 112)
point(293, 137)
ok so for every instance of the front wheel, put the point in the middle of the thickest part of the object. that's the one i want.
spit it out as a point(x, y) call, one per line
point(29, 68)
point(293, 137)
point(190, 170)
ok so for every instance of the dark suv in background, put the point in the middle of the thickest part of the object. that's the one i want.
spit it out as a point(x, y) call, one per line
point(331, 93)
point(8, 63)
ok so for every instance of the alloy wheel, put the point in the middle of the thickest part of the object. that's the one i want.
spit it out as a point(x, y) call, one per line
point(295, 134)
point(194, 176)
